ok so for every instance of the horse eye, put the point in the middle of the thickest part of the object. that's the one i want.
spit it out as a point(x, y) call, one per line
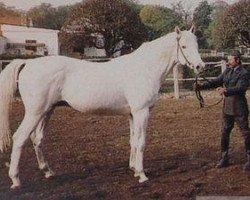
point(184, 47)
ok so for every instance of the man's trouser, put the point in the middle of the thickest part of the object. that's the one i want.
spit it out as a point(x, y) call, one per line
point(227, 126)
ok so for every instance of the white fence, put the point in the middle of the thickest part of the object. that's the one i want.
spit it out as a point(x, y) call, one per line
point(176, 79)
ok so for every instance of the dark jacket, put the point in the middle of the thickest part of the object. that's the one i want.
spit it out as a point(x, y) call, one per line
point(236, 83)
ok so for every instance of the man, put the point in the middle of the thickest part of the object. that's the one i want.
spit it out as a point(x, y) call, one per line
point(232, 83)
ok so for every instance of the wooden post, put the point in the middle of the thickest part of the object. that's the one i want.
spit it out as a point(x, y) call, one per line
point(223, 65)
point(176, 83)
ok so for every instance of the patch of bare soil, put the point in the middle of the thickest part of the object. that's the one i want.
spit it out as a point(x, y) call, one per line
point(90, 156)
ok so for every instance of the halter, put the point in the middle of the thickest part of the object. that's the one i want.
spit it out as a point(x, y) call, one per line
point(179, 48)
point(197, 92)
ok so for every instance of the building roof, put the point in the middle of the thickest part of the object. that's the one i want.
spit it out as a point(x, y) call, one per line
point(15, 28)
point(13, 20)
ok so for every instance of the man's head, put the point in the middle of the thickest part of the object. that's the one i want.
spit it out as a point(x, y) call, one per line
point(234, 59)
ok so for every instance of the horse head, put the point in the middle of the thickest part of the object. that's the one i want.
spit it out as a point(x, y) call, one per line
point(187, 50)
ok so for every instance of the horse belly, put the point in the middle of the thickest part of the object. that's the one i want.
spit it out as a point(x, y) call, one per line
point(99, 108)
point(108, 111)
point(101, 102)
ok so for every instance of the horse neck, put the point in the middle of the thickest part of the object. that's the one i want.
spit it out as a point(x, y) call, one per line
point(157, 58)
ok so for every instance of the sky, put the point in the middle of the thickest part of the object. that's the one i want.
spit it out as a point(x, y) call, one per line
point(27, 4)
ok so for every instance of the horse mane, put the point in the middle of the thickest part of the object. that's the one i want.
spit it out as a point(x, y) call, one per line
point(155, 46)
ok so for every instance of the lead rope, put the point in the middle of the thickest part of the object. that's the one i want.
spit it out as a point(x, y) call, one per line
point(198, 94)
point(201, 99)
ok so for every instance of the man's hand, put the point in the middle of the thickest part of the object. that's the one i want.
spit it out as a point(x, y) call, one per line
point(221, 90)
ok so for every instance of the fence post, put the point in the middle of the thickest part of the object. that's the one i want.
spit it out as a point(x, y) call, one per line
point(223, 65)
point(176, 82)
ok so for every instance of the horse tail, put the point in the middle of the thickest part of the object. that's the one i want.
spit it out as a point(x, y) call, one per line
point(8, 87)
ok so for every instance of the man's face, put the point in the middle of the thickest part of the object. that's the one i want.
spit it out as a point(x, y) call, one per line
point(232, 61)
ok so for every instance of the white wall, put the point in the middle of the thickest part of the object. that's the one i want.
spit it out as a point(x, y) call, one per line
point(18, 34)
point(94, 52)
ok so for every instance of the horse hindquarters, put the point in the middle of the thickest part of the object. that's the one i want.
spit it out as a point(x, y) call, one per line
point(22, 134)
point(36, 138)
point(36, 109)
point(38, 95)
point(8, 86)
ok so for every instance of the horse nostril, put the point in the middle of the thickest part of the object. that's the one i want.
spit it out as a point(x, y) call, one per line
point(198, 67)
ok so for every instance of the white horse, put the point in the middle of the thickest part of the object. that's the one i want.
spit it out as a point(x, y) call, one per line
point(125, 85)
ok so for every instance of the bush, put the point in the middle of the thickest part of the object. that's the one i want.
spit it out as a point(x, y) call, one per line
point(12, 57)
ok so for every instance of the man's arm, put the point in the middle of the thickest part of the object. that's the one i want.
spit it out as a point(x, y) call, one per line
point(240, 87)
point(213, 83)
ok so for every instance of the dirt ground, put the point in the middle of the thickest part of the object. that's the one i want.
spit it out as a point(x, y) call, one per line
point(90, 156)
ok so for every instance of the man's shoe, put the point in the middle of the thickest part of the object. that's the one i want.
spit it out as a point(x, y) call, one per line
point(224, 161)
point(247, 164)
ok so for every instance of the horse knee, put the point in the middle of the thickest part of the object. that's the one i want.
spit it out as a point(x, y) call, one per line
point(38, 140)
point(132, 142)
point(19, 140)
point(33, 136)
point(13, 174)
point(141, 144)
point(16, 141)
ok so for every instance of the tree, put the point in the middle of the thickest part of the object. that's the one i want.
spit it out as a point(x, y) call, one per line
point(202, 20)
point(114, 19)
point(184, 14)
point(42, 16)
point(46, 16)
point(8, 11)
point(159, 20)
point(218, 8)
point(62, 13)
point(233, 27)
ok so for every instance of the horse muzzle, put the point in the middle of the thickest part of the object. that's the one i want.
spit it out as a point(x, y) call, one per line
point(199, 68)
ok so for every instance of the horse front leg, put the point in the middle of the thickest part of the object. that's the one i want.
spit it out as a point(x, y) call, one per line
point(22, 134)
point(36, 138)
point(140, 125)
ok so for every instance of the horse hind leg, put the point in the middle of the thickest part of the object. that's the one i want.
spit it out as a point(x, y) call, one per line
point(132, 144)
point(22, 134)
point(36, 138)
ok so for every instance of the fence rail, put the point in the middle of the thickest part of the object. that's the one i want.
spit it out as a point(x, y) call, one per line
point(221, 64)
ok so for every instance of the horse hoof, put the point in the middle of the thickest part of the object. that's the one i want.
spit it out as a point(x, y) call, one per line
point(15, 187)
point(49, 174)
point(143, 179)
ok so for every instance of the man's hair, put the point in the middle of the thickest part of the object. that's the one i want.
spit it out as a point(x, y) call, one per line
point(237, 55)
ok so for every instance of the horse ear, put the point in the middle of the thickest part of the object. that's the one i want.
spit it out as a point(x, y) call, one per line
point(192, 29)
point(177, 30)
